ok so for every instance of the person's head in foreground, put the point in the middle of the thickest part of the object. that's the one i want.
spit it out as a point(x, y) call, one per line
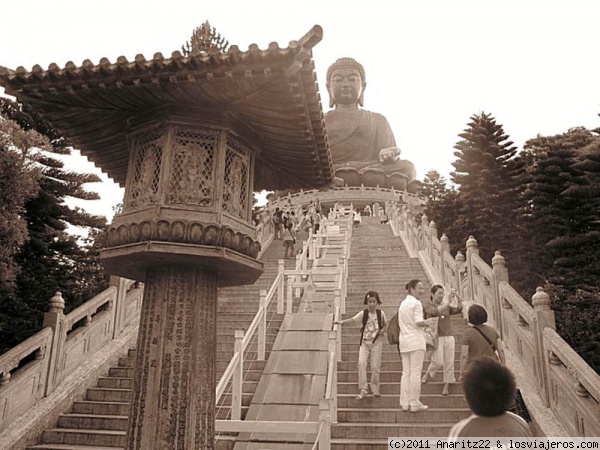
point(489, 387)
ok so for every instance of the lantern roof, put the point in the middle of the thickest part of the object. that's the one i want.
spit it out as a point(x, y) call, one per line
point(273, 93)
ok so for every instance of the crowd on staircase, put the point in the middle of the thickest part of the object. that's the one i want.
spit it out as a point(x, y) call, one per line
point(422, 329)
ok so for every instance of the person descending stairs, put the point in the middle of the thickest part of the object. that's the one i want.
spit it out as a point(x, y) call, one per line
point(379, 262)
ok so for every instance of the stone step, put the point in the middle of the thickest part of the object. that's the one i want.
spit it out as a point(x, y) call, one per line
point(393, 388)
point(391, 401)
point(368, 431)
point(384, 376)
point(396, 415)
point(225, 401)
point(223, 358)
point(387, 350)
point(70, 447)
point(92, 422)
point(107, 438)
point(101, 408)
point(358, 444)
point(108, 395)
point(115, 383)
point(387, 365)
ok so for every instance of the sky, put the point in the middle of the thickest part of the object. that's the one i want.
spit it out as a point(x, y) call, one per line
point(430, 64)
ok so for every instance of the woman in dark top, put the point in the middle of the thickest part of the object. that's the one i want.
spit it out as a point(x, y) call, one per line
point(479, 340)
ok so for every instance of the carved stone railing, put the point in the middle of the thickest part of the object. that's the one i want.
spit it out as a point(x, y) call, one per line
point(566, 385)
point(35, 368)
point(348, 195)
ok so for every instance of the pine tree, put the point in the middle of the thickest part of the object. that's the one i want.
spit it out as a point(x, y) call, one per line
point(442, 204)
point(18, 183)
point(433, 187)
point(560, 220)
point(51, 259)
point(488, 176)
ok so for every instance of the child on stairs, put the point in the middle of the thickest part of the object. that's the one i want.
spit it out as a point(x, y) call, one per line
point(374, 324)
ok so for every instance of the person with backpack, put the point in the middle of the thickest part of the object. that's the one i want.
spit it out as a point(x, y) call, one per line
point(374, 323)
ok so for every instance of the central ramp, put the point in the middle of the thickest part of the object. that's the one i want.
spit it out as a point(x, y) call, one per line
point(293, 382)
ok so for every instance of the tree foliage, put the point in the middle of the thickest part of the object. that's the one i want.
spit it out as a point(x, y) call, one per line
point(487, 174)
point(47, 257)
point(18, 183)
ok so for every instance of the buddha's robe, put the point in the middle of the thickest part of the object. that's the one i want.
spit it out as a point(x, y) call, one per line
point(356, 135)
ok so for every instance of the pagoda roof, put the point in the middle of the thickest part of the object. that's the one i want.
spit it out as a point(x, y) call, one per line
point(273, 93)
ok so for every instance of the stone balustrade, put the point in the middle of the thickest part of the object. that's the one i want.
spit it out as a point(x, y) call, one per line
point(347, 195)
point(35, 368)
point(567, 386)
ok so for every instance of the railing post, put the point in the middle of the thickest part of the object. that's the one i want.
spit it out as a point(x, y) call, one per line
point(332, 347)
point(280, 286)
point(289, 298)
point(500, 274)
point(337, 306)
point(325, 419)
point(262, 325)
point(433, 235)
point(238, 378)
point(305, 253)
point(445, 244)
point(297, 277)
point(472, 249)
point(119, 306)
point(543, 317)
point(55, 319)
point(459, 259)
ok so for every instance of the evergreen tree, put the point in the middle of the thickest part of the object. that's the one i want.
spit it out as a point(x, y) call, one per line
point(18, 183)
point(561, 223)
point(434, 186)
point(442, 204)
point(51, 259)
point(561, 220)
point(488, 176)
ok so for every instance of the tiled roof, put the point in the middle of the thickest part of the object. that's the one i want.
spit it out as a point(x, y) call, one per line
point(272, 92)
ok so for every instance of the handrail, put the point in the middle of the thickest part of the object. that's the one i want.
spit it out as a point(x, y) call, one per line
point(34, 369)
point(528, 329)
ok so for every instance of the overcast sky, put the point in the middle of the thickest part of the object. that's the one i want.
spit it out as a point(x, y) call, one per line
point(430, 65)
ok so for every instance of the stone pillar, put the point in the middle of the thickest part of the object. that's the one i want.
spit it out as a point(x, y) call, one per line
point(55, 319)
point(119, 306)
point(472, 249)
point(173, 399)
point(543, 317)
point(500, 275)
point(433, 234)
point(445, 244)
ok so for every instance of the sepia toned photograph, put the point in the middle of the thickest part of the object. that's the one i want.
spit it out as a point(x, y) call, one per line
point(307, 226)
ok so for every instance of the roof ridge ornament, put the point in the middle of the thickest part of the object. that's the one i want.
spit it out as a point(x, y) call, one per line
point(204, 38)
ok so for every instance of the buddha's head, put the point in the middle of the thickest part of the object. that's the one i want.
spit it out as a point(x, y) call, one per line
point(346, 82)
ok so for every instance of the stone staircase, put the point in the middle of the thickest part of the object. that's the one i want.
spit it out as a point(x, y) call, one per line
point(99, 422)
point(379, 262)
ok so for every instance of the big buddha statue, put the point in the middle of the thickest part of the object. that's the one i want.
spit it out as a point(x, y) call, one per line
point(362, 143)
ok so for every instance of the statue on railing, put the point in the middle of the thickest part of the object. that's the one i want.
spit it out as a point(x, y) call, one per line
point(363, 147)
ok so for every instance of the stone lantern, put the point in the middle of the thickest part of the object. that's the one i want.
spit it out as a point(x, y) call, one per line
point(190, 137)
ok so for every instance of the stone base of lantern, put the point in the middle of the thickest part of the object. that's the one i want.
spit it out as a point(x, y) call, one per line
point(134, 260)
point(173, 396)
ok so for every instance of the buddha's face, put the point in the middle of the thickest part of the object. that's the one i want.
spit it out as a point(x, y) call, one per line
point(345, 86)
